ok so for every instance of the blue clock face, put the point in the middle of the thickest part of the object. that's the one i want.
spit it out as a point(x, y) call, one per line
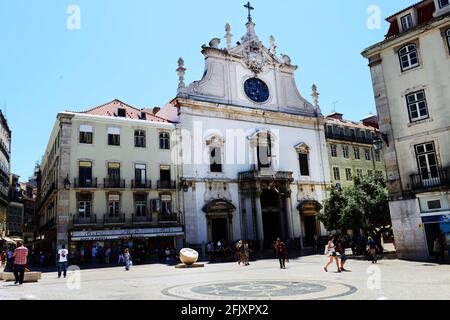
point(256, 90)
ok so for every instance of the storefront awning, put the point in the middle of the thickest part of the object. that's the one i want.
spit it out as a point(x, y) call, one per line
point(101, 235)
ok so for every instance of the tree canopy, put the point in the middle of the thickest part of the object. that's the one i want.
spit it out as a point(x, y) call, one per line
point(362, 206)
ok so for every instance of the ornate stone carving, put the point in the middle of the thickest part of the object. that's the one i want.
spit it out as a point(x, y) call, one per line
point(286, 59)
point(181, 72)
point(228, 35)
point(273, 46)
point(214, 43)
point(315, 96)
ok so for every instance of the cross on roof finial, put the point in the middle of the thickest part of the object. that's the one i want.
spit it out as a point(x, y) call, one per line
point(250, 8)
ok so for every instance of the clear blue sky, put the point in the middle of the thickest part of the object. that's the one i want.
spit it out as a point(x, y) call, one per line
point(129, 50)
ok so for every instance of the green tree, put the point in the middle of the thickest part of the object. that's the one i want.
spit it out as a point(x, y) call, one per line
point(362, 206)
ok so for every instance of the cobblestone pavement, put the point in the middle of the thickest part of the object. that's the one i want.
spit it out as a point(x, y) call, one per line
point(304, 278)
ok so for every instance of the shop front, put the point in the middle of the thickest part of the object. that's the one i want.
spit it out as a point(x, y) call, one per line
point(437, 227)
point(105, 246)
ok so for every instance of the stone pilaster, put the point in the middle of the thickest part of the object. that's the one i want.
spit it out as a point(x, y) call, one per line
point(382, 104)
point(63, 211)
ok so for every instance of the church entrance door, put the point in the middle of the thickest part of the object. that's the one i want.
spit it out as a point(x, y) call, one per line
point(219, 229)
point(272, 217)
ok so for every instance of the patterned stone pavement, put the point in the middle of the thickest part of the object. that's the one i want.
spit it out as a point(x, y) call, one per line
point(262, 280)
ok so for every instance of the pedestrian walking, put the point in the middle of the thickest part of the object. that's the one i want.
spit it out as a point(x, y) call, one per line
point(438, 250)
point(3, 260)
point(94, 255)
point(372, 250)
point(63, 253)
point(20, 262)
point(281, 252)
point(9, 260)
point(246, 253)
point(107, 255)
point(341, 250)
point(240, 251)
point(127, 258)
point(330, 251)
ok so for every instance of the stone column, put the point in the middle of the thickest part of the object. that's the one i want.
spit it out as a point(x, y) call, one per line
point(63, 209)
point(259, 219)
point(290, 229)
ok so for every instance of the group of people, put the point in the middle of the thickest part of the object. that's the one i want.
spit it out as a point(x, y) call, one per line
point(14, 259)
point(335, 250)
point(226, 251)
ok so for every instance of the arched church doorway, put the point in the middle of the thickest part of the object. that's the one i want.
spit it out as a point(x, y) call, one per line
point(219, 216)
point(272, 216)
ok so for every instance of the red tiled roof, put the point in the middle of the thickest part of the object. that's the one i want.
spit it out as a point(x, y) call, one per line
point(407, 8)
point(349, 123)
point(110, 109)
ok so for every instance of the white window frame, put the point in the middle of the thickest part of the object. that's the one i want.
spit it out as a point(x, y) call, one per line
point(346, 152)
point(410, 52)
point(416, 104)
point(336, 173)
point(348, 174)
point(441, 6)
point(333, 150)
point(407, 23)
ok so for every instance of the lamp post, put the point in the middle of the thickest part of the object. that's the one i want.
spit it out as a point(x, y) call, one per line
point(378, 141)
point(67, 183)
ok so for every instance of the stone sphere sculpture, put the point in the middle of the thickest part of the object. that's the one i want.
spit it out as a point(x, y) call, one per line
point(188, 256)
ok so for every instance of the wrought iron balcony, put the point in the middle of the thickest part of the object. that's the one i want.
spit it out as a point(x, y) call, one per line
point(265, 175)
point(85, 183)
point(141, 184)
point(430, 180)
point(114, 183)
point(137, 219)
point(117, 219)
point(343, 137)
point(171, 218)
point(167, 185)
point(79, 220)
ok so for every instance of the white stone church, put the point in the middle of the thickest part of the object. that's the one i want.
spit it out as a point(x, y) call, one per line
point(254, 161)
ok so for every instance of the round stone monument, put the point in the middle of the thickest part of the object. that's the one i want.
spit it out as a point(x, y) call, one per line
point(188, 256)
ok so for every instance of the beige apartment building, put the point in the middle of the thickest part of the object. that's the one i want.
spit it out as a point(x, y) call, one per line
point(411, 80)
point(108, 180)
point(351, 151)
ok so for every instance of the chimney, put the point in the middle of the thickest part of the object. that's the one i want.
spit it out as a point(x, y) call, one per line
point(156, 110)
point(336, 115)
point(371, 121)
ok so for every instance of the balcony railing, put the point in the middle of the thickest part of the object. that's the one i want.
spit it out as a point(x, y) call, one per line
point(141, 184)
point(118, 219)
point(141, 219)
point(266, 175)
point(84, 221)
point(114, 183)
point(85, 183)
point(430, 180)
point(342, 137)
point(168, 218)
point(167, 184)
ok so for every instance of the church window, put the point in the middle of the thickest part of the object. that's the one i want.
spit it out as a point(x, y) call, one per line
point(256, 90)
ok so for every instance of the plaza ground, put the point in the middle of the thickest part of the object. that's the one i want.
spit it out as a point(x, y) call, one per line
point(304, 278)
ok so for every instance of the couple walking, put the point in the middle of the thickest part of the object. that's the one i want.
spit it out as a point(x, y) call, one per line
point(334, 246)
point(244, 253)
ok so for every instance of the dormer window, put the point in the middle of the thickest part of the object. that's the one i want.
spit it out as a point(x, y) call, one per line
point(443, 3)
point(408, 56)
point(121, 112)
point(407, 22)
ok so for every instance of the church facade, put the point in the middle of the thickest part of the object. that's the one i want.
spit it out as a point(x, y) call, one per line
point(254, 160)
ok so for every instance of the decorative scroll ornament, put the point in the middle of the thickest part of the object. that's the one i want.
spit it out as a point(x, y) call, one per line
point(228, 35)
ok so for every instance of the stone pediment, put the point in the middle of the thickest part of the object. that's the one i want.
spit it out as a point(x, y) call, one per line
point(236, 75)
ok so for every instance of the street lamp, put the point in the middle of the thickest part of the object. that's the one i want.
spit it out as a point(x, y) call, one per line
point(67, 183)
point(378, 141)
point(184, 186)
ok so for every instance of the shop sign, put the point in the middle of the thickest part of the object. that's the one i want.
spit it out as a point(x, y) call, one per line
point(437, 219)
point(126, 234)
